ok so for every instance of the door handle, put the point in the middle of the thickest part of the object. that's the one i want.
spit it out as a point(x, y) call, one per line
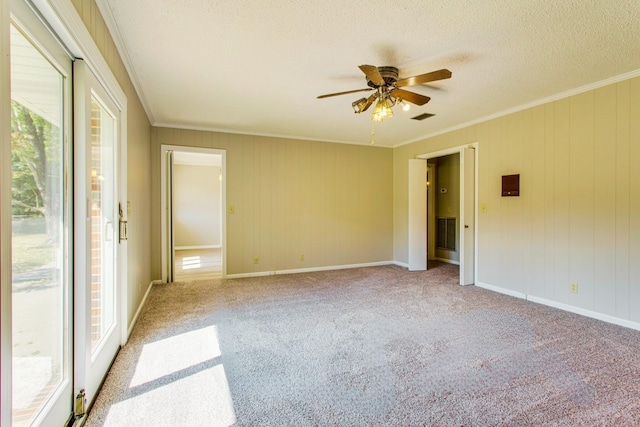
point(466, 226)
point(108, 231)
point(122, 231)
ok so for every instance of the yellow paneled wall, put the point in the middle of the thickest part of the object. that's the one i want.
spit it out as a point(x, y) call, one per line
point(331, 202)
point(578, 216)
point(138, 158)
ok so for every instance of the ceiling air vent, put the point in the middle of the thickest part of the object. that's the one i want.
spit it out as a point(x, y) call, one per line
point(422, 116)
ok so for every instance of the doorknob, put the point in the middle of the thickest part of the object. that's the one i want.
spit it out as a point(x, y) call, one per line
point(122, 231)
point(466, 226)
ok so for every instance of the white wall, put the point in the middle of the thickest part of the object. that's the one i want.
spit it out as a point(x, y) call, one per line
point(577, 216)
point(331, 202)
point(196, 205)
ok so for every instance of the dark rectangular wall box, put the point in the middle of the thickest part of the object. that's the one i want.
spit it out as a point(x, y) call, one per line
point(510, 185)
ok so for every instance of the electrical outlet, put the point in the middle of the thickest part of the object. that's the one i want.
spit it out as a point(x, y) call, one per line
point(573, 287)
point(301, 257)
point(256, 260)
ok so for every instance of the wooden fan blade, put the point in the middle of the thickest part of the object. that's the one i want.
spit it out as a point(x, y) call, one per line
point(372, 74)
point(344, 93)
point(370, 101)
point(414, 98)
point(425, 78)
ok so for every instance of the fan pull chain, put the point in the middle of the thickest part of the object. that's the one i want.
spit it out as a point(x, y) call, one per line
point(373, 132)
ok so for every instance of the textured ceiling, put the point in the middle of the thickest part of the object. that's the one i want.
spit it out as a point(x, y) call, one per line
point(256, 67)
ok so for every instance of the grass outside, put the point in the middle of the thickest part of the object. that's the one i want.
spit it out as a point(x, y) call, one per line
point(30, 251)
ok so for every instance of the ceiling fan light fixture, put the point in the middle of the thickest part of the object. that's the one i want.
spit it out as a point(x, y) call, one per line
point(358, 105)
point(405, 105)
point(383, 110)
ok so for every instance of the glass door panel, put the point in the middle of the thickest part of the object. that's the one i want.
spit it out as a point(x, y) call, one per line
point(103, 223)
point(40, 282)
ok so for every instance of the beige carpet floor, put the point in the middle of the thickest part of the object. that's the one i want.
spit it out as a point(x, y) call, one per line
point(376, 346)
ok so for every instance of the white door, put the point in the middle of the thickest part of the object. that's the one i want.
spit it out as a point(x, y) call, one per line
point(467, 215)
point(40, 299)
point(97, 271)
point(417, 215)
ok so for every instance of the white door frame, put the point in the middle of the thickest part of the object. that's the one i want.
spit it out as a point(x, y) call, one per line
point(163, 200)
point(459, 150)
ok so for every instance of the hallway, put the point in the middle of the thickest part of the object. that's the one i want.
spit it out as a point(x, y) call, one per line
point(198, 264)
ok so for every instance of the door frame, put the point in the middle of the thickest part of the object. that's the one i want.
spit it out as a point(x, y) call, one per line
point(460, 150)
point(163, 201)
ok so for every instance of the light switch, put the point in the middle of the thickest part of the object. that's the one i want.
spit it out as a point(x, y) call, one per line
point(232, 209)
point(483, 208)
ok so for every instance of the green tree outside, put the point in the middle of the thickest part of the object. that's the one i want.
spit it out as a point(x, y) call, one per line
point(35, 157)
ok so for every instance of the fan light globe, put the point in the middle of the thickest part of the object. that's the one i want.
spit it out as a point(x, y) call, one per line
point(382, 111)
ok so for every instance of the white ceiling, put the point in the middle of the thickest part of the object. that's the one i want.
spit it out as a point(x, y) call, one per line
point(256, 67)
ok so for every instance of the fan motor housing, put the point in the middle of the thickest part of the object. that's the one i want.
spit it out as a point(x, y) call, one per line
point(389, 74)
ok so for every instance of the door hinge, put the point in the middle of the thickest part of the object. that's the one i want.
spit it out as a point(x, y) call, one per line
point(81, 404)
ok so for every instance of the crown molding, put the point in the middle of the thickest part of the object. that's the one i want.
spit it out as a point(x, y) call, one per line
point(112, 26)
point(547, 100)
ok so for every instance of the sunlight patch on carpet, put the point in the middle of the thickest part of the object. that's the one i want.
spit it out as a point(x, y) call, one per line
point(200, 399)
point(180, 352)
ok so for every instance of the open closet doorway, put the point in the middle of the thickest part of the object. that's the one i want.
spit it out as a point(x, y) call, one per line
point(442, 219)
point(193, 199)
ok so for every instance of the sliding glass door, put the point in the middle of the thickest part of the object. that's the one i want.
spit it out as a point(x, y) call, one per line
point(97, 312)
point(40, 242)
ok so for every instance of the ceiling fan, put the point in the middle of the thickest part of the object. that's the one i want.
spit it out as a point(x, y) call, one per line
point(384, 80)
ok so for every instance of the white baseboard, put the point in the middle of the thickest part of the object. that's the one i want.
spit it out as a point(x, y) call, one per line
point(182, 248)
point(139, 310)
point(565, 307)
point(588, 313)
point(307, 270)
point(401, 264)
point(502, 290)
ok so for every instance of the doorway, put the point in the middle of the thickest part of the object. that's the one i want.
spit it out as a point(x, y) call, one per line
point(444, 230)
point(193, 199)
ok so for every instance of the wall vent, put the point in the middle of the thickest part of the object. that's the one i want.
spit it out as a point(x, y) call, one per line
point(446, 234)
point(422, 116)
